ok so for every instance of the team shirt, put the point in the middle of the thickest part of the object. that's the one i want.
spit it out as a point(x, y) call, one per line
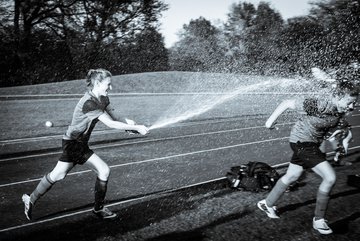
point(85, 117)
point(317, 117)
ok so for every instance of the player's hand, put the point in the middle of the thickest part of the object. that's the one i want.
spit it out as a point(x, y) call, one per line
point(271, 126)
point(143, 130)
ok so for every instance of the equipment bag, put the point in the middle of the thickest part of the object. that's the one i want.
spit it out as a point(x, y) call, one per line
point(353, 180)
point(254, 176)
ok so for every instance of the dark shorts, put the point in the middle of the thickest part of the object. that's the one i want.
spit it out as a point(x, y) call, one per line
point(307, 154)
point(75, 152)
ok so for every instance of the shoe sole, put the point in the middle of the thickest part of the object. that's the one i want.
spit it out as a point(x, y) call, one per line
point(24, 201)
point(269, 215)
point(110, 217)
point(323, 231)
point(105, 217)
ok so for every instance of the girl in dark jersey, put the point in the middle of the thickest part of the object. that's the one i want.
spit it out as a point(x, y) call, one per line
point(92, 107)
point(306, 137)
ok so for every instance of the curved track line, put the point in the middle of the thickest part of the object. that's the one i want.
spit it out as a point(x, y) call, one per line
point(156, 159)
point(138, 142)
point(280, 165)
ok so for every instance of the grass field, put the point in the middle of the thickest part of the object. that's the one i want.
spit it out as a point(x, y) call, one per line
point(156, 82)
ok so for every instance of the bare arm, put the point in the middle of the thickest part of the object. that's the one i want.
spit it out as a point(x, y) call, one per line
point(108, 121)
point(286, 104)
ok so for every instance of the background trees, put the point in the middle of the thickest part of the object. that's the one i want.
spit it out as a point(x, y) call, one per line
point(56, 40)
point(198, 48)
point(257, 40)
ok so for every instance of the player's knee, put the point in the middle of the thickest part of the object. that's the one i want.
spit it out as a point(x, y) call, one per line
point(330, 179)
point(104, 173)
point(290, 178)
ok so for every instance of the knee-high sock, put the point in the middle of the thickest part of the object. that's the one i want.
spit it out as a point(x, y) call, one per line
point(44, 185)
point(322, 200)
point(275, 194)
point(100, 192)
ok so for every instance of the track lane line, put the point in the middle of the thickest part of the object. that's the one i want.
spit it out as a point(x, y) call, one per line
point(140, 142)
point(102, 132)
point(160, 158)
point(156, 159)
point(107, 131)
point(146, 141)
point(280, 165)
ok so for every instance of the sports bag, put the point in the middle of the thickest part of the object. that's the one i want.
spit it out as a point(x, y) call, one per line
point(353, 180)
point(253, 176)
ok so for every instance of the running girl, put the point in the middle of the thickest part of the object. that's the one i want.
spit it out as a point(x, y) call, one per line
point(92, 107)
point(306, 136)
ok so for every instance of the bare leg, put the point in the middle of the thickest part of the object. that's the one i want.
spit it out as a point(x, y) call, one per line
point(327, 173)
point(292, 174)
point(45, 184)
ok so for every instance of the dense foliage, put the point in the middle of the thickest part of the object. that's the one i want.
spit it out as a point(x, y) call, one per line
point(257, 40)
point(55, 40)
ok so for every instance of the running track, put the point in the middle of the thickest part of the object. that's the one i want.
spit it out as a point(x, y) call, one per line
point(170, 158)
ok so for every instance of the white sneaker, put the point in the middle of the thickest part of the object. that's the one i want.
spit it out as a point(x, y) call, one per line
point(321, 226)
point(104, 213)
point(270, 211)
point(28, 206)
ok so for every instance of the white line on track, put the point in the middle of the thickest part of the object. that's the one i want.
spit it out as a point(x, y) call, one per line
point(101, 132)
point(108, 131)
point(110, 205)
point(152, 160)
point(39, 138)
point(157, 159)
point(133, 199)
point(139, 142)
point(144, 141)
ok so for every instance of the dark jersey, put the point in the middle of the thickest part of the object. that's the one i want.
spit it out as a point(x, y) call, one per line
point(317, 117)
point(85, 117)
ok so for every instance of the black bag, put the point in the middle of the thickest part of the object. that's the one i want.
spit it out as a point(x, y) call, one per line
point(353, 180)
point(254, 176)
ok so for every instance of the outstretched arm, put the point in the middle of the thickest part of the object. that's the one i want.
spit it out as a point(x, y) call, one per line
point(286, 104)
point(108, 121)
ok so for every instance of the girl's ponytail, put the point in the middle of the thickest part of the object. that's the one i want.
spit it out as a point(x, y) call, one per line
point(94, 75)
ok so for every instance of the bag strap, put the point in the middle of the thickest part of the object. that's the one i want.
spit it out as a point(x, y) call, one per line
point(252, 166)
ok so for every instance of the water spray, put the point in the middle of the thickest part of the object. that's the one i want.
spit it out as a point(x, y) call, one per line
point(207, 102)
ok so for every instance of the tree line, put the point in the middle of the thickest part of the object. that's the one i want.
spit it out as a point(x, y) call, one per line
point(257, 40)
point(56, 40)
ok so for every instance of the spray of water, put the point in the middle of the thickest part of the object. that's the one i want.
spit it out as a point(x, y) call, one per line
point(193, 105)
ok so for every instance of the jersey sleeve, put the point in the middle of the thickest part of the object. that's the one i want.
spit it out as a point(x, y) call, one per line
point(105, 101)
point(92, 110)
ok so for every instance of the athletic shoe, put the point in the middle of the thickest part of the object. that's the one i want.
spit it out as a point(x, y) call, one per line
point(28, 206)
point(104, 213)
point(321, 226)
point(270, 211)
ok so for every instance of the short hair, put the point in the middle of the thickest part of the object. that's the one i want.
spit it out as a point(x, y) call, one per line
point(348, 80)
point(96, 75)
point(346, 87)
